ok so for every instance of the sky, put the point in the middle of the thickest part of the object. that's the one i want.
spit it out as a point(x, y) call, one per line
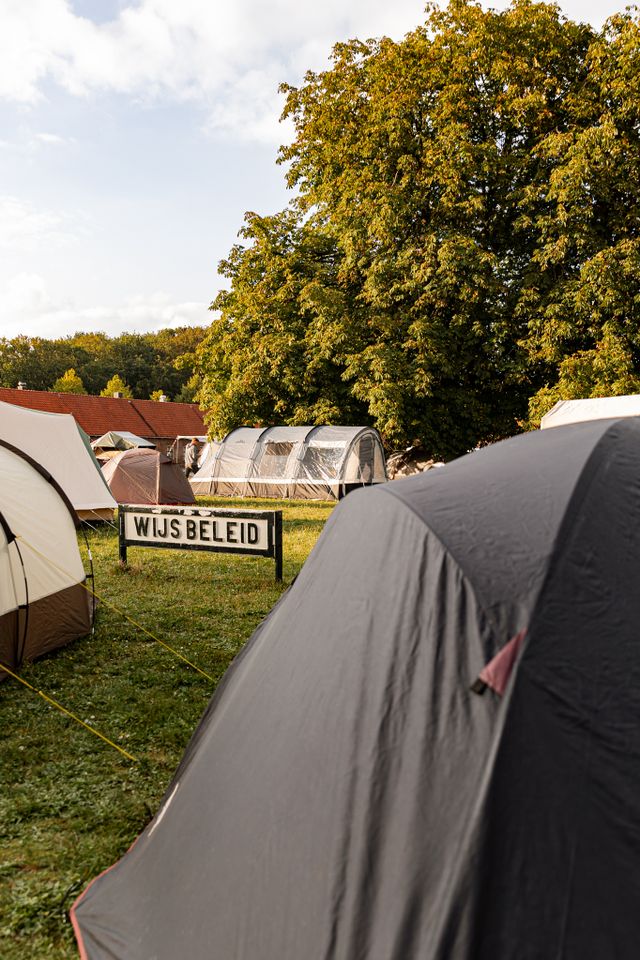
point(135, 135)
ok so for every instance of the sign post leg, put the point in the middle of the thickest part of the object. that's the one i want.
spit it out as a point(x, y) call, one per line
point(277, 532)
point(122, 546)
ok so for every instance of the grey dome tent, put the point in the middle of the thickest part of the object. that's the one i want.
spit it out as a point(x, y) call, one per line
point(430, 749)
point(43, 599)
point(321, 463)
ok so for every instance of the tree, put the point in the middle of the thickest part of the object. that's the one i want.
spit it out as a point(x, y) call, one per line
point(585, 326)
point(69, 382)
point(116, 385)
point(142, 359)
point(270, 355)
point(35, 361)
point(402, 283)
point(157, 395)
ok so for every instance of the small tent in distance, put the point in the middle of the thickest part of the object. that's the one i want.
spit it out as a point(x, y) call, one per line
point(44, 602)
point(591, 408)
point(347, 794)
point(55, 441)
point(146, 476)
point(177, 449)
point(121, 440)
point(307, 463)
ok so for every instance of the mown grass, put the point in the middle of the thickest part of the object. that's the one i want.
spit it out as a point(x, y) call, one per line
point(69, 804)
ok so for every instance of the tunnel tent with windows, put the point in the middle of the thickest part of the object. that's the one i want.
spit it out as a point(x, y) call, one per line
point(305, 463)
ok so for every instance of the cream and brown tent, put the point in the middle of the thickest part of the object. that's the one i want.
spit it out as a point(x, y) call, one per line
point(56, 442)
point(44, 600)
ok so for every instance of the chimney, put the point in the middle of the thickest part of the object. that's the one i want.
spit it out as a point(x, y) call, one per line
point(22, 385)
point(117, 394)
point(163, 398)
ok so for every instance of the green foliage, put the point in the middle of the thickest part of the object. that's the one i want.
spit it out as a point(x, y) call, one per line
point(69, 382)
point(465, 219)
point(116, 385)
point(35, 361)
point(157, 395)
point(585, 326)
point(608, 370)
point(144, 360)
point(271, 354)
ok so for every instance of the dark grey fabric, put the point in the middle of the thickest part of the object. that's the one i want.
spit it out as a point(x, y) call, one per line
point(498, 511)
point(347, 797)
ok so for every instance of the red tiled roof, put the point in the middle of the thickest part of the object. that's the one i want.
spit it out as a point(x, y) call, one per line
point(163, 417)
point(97, 415)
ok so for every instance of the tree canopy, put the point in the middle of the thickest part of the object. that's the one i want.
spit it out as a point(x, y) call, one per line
point(69, 382)
point(464, 223)
point(147, 362)
point(116, 385)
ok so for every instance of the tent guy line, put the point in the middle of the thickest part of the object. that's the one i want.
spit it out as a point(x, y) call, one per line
point(68, 713)
point(122, 613)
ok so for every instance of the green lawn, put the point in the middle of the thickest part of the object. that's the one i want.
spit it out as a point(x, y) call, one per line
point(69, 804)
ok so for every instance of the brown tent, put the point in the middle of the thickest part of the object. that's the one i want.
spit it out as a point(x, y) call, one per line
point(146, 476)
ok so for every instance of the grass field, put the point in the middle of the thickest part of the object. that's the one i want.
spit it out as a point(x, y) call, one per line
point(69, 804)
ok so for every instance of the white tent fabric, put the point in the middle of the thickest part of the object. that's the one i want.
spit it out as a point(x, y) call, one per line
point(121, 440)
point(298, 462)
point(33, 510)
point(591, 408)
point(55, 441)
point(44, 600)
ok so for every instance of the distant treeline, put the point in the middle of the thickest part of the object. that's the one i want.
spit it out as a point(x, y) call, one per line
point(136, 364)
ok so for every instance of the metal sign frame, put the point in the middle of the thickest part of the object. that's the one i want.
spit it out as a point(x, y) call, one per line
point(274, 531)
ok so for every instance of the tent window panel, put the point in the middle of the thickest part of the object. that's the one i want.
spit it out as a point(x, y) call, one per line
point(379, 468)
point(321, 463)
point(360, 466)
point(274, 459)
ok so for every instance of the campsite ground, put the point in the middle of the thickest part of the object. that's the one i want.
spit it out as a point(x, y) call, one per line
point(69, 804)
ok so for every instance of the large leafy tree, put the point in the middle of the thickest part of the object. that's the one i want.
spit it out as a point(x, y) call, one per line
point(275, 353)
point(584, 326)
point(408, 265)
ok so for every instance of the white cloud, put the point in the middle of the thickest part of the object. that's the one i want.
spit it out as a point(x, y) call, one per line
point(230, 57)
point(23, 229)
point(51, 139)
point(26, 305)
point(28, 144)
